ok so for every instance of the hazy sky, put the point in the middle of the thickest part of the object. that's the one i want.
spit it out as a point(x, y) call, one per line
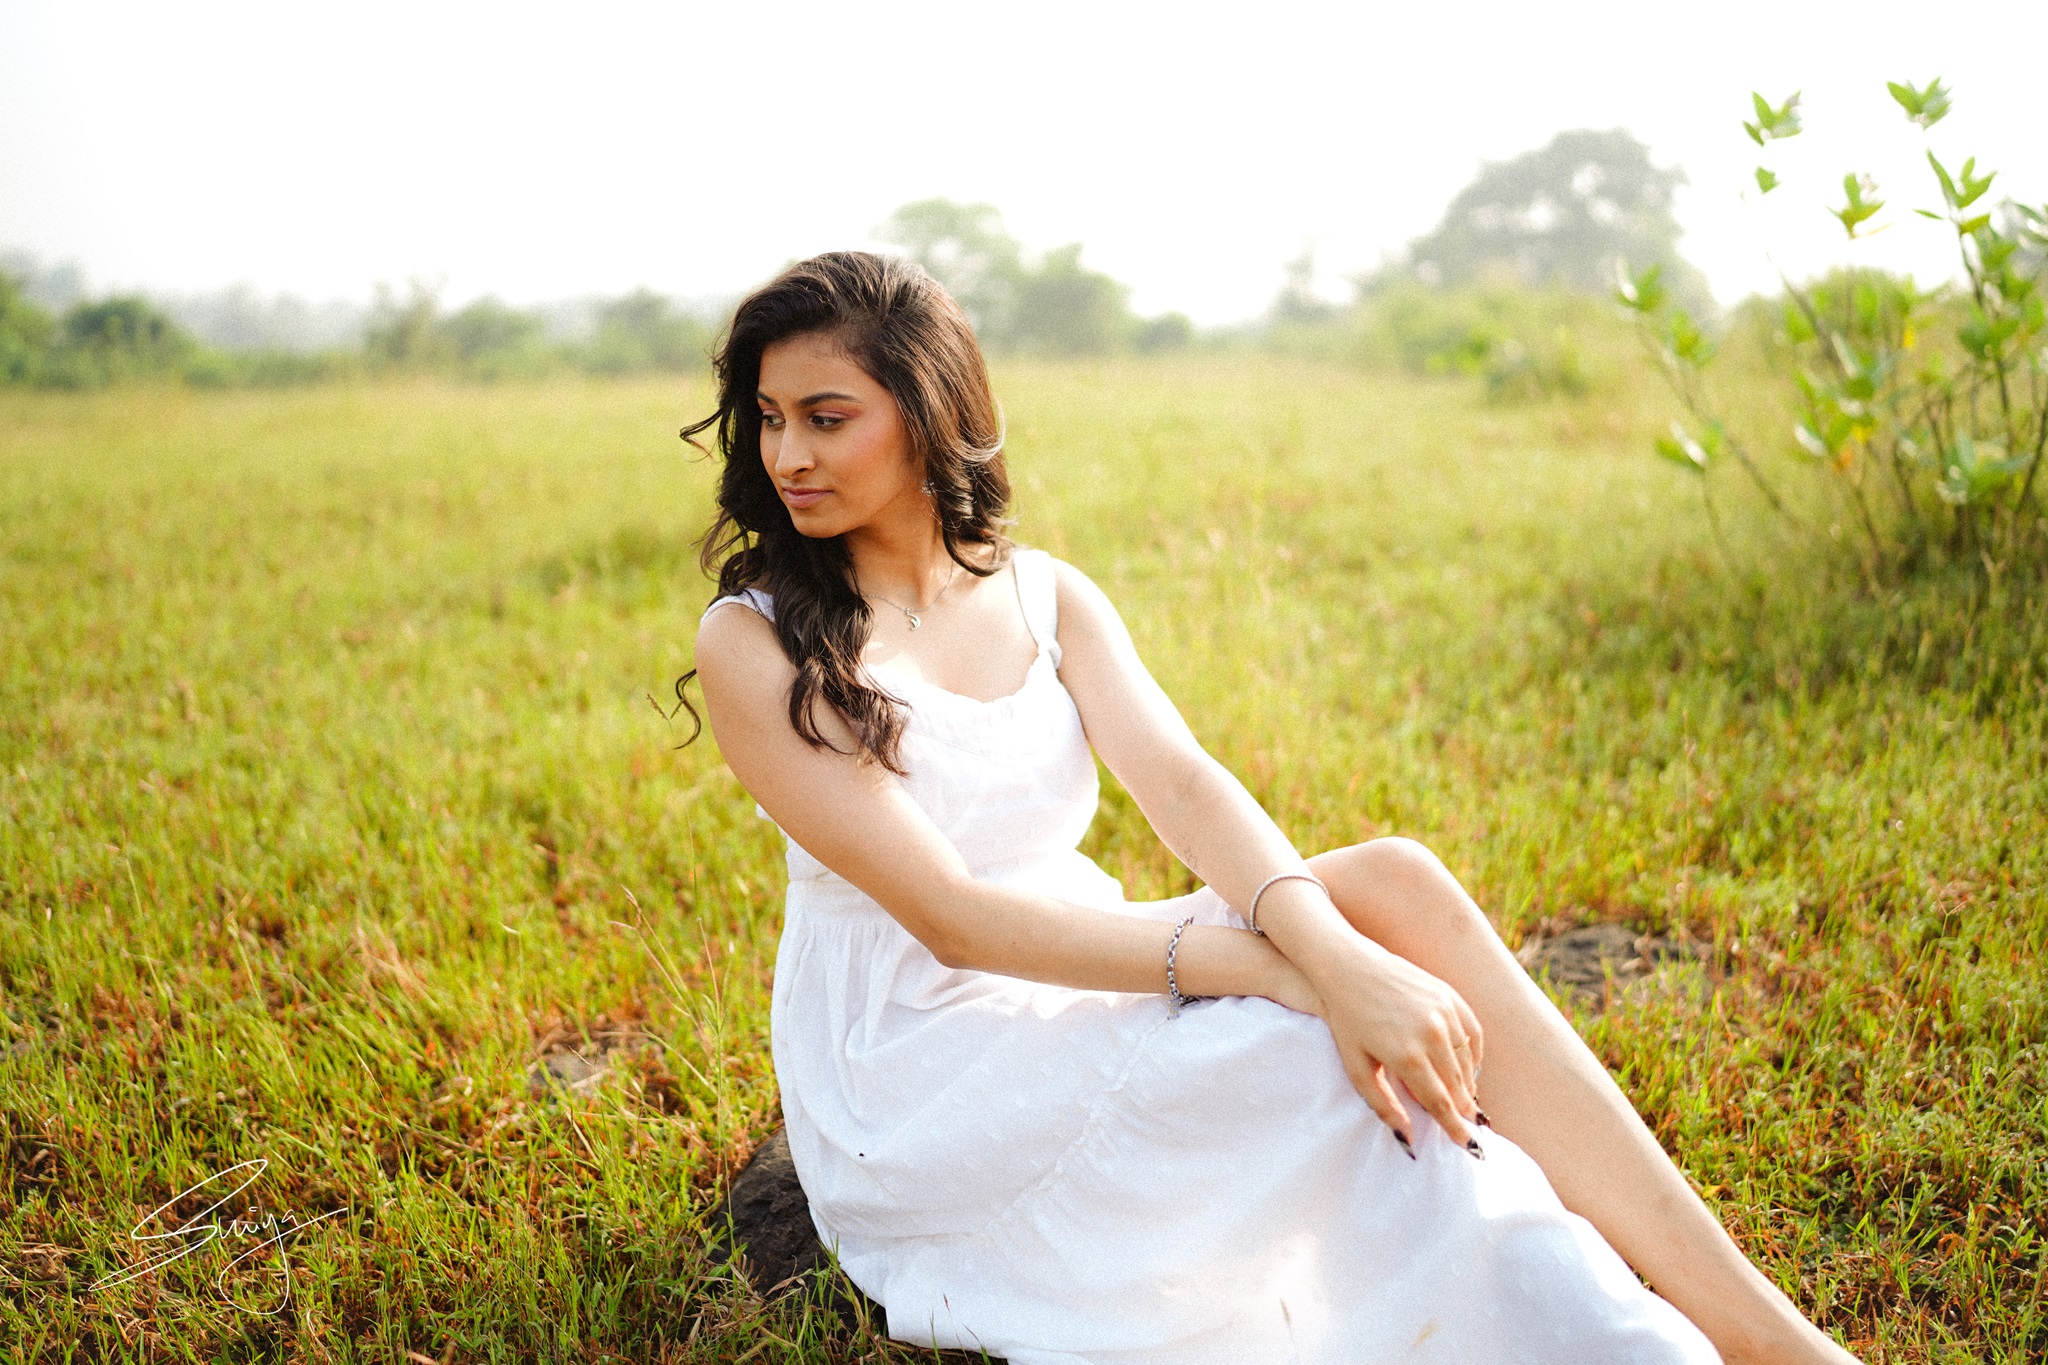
point(539, 151)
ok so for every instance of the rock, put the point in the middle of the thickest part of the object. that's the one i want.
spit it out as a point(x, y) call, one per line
point(570, 1071)
point(765, 1215)
point(1579, 961)
point(573, 1062)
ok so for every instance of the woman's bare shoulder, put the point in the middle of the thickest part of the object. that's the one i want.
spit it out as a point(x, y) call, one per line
point(736, 640)
point(1080, 600)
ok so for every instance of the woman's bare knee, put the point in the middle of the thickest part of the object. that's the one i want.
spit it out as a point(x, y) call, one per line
point(1394, 872)
point(1399, 893)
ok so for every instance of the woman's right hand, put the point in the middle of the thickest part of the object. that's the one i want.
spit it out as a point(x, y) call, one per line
point(1285, 984)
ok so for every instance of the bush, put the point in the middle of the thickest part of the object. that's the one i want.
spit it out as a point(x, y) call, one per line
point(644, 331)
point(1924, 412)
point(487, 339)
point(1167, 332)
point(25, 332)
point(114, 339)
point(402, 334)
point(493, 340)
point(1524, 344)
point(270, 368)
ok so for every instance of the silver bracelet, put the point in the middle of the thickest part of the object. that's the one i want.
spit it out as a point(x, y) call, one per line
point(1251, 916)
point(1173, 986)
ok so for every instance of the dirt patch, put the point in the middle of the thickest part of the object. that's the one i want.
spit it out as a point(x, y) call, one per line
point(1600, 962)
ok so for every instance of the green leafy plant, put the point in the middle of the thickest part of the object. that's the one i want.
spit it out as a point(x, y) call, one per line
point(1925, 411)
point(1524, 344)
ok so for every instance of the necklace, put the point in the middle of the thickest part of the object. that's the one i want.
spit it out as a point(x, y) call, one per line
point(916, 618)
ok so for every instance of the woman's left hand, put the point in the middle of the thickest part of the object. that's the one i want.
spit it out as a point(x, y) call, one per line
point(1388, 1015)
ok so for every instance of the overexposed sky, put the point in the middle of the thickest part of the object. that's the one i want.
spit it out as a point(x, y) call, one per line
point(540, 151)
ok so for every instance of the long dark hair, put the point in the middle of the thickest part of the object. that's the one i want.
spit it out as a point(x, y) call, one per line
point(907, 334)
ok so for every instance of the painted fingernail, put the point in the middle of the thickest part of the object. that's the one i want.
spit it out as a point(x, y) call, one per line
point(1472, 1146)
point(1480, 1116)
point(1406, 1145)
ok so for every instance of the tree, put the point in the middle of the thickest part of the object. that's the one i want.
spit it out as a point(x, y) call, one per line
point(401, 333)
point(645, 331)
point(1167, 332)
point(124, 337)
point(966, 248)
point(1563, 214)
point(1297, 302)
point(1065, 308)
point(493, 339)
point(1055, 305)
point(25, 332)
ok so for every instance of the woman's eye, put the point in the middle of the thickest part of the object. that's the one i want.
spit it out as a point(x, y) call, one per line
point(770, 419)
point(825, 420)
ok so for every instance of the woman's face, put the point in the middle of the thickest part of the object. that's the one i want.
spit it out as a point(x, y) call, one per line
point(833, 440)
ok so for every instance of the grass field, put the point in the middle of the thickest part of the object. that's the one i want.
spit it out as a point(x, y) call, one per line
point(331, 799)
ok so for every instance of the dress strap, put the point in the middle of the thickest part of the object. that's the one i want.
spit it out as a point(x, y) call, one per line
point(1038, 596)
point(746, 597)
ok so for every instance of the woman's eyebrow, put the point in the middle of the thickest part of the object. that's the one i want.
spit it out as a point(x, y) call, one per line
point(828, 396)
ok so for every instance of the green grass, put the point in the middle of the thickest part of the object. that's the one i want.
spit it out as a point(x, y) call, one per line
point(328, 779)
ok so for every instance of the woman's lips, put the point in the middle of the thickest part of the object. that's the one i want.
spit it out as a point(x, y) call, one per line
point(803, 497)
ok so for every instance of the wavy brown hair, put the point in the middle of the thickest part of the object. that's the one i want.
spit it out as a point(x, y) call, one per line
point(909, 336)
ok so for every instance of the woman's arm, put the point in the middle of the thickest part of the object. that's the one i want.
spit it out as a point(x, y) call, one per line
point(1385, 1013)
point(852, 815)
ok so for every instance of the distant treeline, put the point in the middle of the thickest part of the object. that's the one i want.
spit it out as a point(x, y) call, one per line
point(1053, 305)
point(1509, 286)
point(95, 342)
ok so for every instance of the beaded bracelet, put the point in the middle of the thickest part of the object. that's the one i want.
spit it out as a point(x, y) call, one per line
point(1173, 986)
point(1251, 916)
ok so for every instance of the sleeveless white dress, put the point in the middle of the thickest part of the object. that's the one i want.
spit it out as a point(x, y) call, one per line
point(1059, 1176)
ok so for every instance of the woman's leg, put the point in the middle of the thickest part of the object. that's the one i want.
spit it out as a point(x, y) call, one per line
point(1544, 1089)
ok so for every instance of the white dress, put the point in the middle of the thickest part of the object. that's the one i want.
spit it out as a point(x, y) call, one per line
point(1061, 1176)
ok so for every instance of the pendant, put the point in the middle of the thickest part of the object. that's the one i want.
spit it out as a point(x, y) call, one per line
point(914, 622)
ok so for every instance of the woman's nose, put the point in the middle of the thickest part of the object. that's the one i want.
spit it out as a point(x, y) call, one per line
point(792, 453)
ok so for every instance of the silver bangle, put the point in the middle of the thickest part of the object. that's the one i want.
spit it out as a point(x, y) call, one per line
point(1173, 986)
point(1251, 916)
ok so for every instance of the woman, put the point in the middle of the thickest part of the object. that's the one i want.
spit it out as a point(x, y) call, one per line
point(1009, 1121)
